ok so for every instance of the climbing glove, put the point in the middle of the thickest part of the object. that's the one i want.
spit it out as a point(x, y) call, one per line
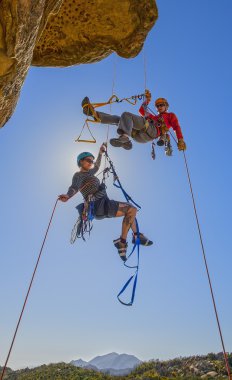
point(147, 95)
point(181, 144)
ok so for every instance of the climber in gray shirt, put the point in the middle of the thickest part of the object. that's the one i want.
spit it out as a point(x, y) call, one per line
point(89, 185)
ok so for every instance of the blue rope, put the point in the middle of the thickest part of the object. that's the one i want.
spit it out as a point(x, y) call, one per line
point(118, 184)
point(136, 245)
point(127, 196)
point(135, 275)
point(90, 217)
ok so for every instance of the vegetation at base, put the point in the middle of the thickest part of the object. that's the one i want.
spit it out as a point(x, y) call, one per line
point(59, 371)
point(188, 368)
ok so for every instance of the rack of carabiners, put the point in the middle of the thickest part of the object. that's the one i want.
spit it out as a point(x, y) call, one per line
point(84, 223)
point(113, 99)
point(166, 141)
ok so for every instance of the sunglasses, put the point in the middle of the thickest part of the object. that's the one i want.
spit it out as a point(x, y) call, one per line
point(160, 105)
point(89, 160)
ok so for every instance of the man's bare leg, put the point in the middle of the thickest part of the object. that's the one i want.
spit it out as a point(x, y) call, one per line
point(129, 212)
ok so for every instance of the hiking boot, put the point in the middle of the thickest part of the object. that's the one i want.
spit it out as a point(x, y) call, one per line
point(122, 248)
point(121, 142)
point(88, 109)
point(143, 239)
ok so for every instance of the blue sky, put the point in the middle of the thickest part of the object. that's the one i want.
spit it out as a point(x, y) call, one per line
point(73, 311)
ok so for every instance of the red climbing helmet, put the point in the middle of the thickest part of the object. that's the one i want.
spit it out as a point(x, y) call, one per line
point(161, 101)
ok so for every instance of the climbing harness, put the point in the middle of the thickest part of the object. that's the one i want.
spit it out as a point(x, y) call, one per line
point(84, 223)
point(113, 99)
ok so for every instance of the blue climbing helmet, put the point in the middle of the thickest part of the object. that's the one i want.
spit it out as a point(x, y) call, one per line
point(83, 155)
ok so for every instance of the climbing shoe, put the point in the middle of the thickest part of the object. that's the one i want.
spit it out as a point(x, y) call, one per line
point(88, 109)
point(121, 142)
point(121, 247)
point(143, 239)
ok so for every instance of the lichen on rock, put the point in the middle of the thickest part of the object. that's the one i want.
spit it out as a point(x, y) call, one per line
point(87, 31)
point(64, 33)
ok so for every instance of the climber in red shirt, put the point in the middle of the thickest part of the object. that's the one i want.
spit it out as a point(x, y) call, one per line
point(163, 121)
point(142, 129)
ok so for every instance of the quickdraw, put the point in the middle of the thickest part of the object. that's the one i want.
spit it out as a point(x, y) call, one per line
point(153, 155)
point(167, 146)
point(166, 137)
point(113, 99)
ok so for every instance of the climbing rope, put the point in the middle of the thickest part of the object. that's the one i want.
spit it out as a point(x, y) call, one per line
point(28, 292)
point(206, 264)
point(204, 258)
point(207, 268)
point(112, 93)
point(110, 106)
point(145, 68)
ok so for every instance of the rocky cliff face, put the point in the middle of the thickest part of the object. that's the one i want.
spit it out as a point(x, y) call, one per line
point(63, 33)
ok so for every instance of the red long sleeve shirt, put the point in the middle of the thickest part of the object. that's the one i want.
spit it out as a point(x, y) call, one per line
point(169, 118)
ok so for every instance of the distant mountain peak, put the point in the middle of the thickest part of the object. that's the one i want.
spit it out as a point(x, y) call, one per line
point(110, 363)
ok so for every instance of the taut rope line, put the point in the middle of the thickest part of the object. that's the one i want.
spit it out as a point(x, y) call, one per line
point(207, 269)
point(206, 265)
point(28, 292)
